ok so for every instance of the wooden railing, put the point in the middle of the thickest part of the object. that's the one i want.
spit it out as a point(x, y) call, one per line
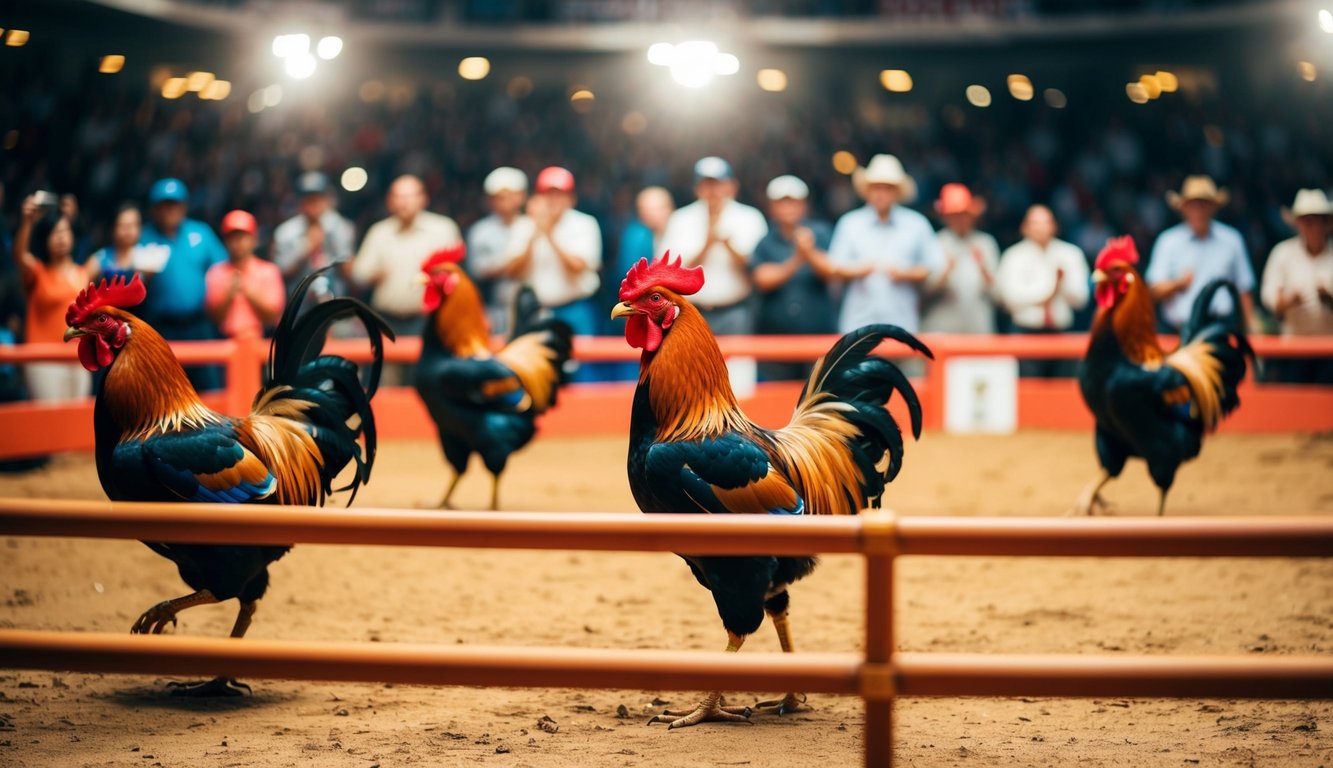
point(878, 675)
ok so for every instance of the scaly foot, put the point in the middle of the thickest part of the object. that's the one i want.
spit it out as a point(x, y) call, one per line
point(218, 686)
point(792, 702)
point(155, 619)
point(710, 710)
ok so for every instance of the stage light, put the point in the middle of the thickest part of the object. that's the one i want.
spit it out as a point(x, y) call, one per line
point(216, 91)
point(895, 80)
point(1136, 92)
point(978, 96)
point(1020, 87)
point(354, 179)
point(1055, 98)
point(693, 63)
point(844, 162)
point(1168, 81)
point(772, 80)
point(1307, 71)
point(198, 81)
point(1326, 20)
point(581, 100)
point(17, 38)
point(286, 46)
point(299, 66)
point(174, 88)
point(661, 54)
point(111, 64)
point(474, 68)
point(329, 47)
point(726, 64)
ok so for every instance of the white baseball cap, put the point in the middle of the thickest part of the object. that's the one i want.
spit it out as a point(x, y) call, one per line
point(503, 178)
point(787, 186)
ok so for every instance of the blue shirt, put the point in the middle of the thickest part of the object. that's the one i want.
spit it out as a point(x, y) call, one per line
point(802, 304)
point(1219, 255)
point(177, 292)
point(906, 240)
point(106, 259)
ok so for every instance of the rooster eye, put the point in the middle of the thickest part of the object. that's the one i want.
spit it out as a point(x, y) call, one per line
point(656, 298)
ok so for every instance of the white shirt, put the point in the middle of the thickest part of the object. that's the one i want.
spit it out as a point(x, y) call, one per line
point(1027, 277)
point(904, 240)
point(398, 253)
point(1292, 269)
point(686, 231)
point(1221, 254)
point(962, 301)
point(578, 235)
point(487, 252)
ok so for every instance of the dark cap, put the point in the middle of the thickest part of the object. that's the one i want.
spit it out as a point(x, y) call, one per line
point(313, 183)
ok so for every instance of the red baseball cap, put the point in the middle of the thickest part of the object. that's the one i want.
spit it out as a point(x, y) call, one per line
point(555, 177)
point(957, 198)
point(239, 221)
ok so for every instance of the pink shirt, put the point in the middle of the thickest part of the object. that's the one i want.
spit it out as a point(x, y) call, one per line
point(261, 278)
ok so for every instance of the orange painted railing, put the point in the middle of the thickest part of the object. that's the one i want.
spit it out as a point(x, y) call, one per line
point(35, 429)
point(878, 675)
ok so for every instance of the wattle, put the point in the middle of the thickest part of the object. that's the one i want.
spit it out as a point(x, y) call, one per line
point(1106, 293)
point(94, 352)
point(642, 333)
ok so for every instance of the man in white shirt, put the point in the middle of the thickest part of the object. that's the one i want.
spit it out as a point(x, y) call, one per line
point(557, 250)
point(488, 243)
point(959, 299)
point(389, 262)
point(315, 237)
point(1041, 281)
point(719, 234)
point(1298, 283)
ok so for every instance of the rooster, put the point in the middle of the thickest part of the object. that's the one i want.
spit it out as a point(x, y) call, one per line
point(156, 441)
point(483, 402)
point(1146, 402)
point(691, 449)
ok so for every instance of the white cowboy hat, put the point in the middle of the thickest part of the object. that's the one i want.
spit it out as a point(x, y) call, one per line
point(1309, 202)
point(884, 169)
point(1197, 188)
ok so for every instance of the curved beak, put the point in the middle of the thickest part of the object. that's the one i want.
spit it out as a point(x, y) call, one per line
point(623, 309)
point(74, 333)
point(1098, 277)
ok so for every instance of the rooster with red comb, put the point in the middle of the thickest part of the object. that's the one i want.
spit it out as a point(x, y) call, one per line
point(692, 449)
point(1147, 402)
point(156, 441)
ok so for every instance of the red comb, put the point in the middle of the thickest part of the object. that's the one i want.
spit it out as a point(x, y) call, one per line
point(1118, 249)
point(444, 256)
point(661, 272)
point(117, 292)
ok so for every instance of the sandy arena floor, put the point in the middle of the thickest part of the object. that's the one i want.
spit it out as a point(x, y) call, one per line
point(650, 601)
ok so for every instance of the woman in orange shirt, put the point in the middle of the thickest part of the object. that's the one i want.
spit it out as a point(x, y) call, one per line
point(43, 253)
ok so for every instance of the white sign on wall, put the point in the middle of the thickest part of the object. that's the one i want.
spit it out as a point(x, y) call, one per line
point(981, 394)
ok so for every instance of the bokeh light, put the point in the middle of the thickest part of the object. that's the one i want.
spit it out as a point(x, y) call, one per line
point(634, 123)
point(329, 47)
point(1136, 92)
point(1307, 71)
point(1168, 81)
point(582, 99)
point(17, 38)
point(661, 54)
point(1055, 98)
point(196, 82)
point(771, 80)
point(111, 64)
point(1326, 20)
point(354, 179)
point(174, 88)
point(1151, 85)
point(978, 96)
point(273, 95)
point(216, 91)
point(300, 65)
point(474, 68)
point(896, 80)
point(844, 162)
point(1020, 87)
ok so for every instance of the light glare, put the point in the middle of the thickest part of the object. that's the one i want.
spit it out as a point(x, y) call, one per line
point(661, 54)
point(329, 47)
point(1326, 20)
point(1307, 71)
point(300, 65)
point(286, 46)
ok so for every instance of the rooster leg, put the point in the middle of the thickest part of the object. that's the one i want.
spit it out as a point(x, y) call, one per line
point(710, 709)
point(221, 686)
point(792, 701)
point(1091, 499)
point(495, 493)
point(1161, 504)
point(449, 494)
point(155, 619)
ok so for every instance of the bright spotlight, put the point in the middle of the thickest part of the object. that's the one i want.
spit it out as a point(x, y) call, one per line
point(329, 47)
point(286, 46)
point(300, 65)
point(661, 54)
point(693, 64)
point(354, 179)
point(1326, 20)
point(727, 64)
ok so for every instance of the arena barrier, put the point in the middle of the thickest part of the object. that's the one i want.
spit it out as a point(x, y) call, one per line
point(878, 675)
point(31, 429)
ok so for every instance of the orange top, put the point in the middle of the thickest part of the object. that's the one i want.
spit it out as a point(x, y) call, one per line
point(258, 276)
point(50, 291)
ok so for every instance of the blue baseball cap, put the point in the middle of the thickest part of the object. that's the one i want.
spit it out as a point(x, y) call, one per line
point(164, 190)
point(712, 168)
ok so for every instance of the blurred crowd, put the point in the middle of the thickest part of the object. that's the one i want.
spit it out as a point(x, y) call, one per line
point(951, 220)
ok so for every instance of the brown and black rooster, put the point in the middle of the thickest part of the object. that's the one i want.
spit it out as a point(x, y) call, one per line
point(483, 402)
point(1147, 402)
point(691, 449)
point(156, 441)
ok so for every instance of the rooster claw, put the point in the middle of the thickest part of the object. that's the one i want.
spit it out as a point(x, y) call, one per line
point(710, 710)
point(792, 702)
point(218, 686)
point(154, 620)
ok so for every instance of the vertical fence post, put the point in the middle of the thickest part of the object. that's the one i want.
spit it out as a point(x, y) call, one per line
point(244, 373)
point(879, 544)
point(936, 381)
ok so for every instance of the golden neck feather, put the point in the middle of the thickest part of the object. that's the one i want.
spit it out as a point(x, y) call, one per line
point(146, 390)
point(691, 393)
point(460, 322)
point(1133, 320)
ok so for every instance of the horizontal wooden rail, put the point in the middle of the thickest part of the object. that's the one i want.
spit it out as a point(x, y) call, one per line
point(696, 534)
point(910, 674)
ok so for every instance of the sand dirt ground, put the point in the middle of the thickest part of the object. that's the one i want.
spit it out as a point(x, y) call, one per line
point(592, 600)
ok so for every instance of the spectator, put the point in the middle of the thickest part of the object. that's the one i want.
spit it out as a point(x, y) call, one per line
point(1189, 255)
point(557, 250)
point(642, 238)
point(885, 250)
point(69, 209)
point(43, 252)
point(315, 237)
point(1298, 283)
point(959, 298)
point(488, 242)
point(1041, 281)
point(118, 259)
point(177, 254)
point(790, 270)
point(719, 234)
point(245, 293)
point(390, 258)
